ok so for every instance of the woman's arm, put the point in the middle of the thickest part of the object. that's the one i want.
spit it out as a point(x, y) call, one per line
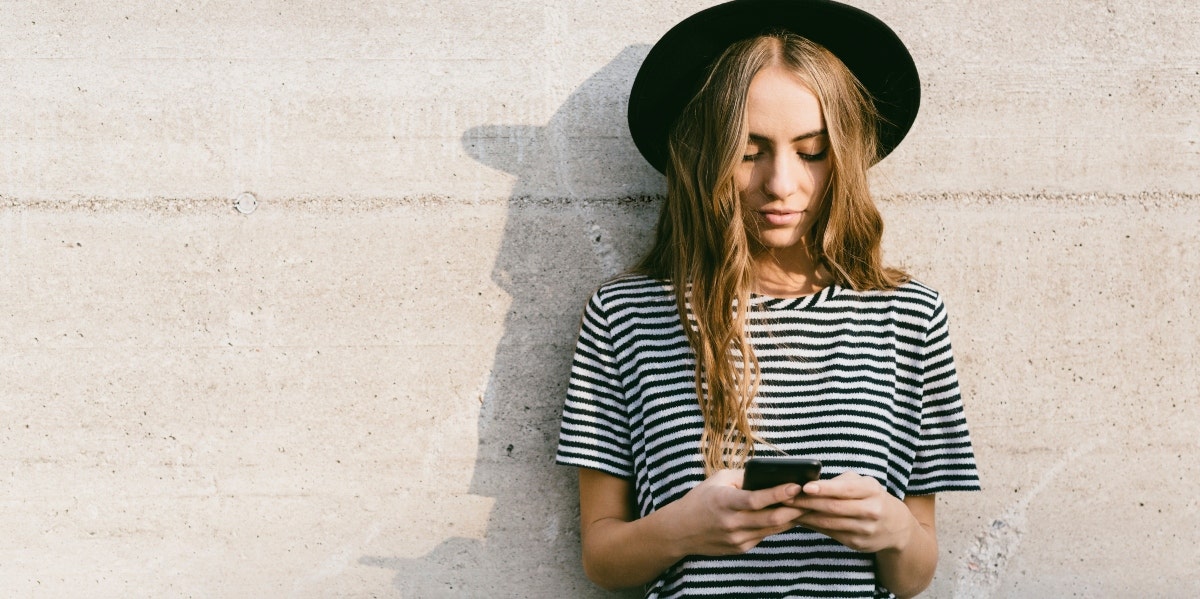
point(908, 570)
point(859, 513)
point(715, 518)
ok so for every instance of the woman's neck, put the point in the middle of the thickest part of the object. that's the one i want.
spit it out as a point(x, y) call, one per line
point(787, 272)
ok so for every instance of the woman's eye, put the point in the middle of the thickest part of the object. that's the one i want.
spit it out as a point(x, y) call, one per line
point(814, 157)
point(751, 157)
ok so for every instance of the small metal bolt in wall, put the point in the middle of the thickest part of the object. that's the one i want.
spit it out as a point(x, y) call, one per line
point(245, 202)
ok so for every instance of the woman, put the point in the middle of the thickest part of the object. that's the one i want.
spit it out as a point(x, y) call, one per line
point(762, 322)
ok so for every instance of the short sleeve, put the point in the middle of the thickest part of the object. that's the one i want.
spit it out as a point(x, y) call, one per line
point(595, 423)
point(945, 460)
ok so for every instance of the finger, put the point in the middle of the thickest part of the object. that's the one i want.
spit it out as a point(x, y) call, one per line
point(842, 531)
point(773, 520)
point(845, 486)
point(835, 506)
point(811, 496)
point(832, 525)
point(764, 498)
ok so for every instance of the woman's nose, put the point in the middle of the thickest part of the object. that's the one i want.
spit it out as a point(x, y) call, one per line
point(783, 180)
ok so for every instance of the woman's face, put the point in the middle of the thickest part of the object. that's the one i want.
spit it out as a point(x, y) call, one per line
point(785, 165)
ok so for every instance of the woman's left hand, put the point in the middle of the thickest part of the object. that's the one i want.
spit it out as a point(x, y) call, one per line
point(857, 512)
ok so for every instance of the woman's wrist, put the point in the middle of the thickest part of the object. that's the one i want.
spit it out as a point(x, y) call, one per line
point(666, 531)
point(906, 533)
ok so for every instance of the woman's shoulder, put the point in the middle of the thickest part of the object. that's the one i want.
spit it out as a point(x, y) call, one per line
point(630, 295)
point(917, 291)
point(632, 287)
point(911, 295)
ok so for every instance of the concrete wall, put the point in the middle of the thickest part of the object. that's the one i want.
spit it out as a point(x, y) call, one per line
point(353, 389)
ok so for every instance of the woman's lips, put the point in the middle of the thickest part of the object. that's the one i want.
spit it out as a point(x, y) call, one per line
point(781, 217)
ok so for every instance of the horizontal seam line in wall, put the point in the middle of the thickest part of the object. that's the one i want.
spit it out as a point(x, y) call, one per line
point(1149, 199)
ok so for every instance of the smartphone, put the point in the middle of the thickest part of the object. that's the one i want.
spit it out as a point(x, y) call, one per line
point(764, 473)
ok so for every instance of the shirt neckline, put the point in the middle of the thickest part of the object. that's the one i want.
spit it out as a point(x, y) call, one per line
point(770, 302)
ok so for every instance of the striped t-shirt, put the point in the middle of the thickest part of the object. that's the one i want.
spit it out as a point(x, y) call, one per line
point(863, 381)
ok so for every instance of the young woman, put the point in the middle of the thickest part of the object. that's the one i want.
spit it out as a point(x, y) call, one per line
point(763, 323)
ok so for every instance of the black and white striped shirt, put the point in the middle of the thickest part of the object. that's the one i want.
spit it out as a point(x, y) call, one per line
point(863, 381)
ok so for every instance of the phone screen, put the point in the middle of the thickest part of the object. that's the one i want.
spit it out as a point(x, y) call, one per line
point(764, 473)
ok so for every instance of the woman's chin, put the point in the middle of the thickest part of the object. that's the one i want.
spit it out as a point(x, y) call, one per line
point(778, 240)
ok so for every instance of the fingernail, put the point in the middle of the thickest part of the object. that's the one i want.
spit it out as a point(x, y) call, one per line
point(793, 490)
point(812, 488)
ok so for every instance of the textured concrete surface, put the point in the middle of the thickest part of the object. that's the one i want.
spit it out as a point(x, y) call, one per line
point(353, 390)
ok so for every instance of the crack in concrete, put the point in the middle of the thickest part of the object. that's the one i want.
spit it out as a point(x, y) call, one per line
point(980, 572)
point(361, 203)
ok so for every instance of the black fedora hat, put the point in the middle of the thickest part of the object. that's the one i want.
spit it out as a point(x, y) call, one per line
point(677, 65)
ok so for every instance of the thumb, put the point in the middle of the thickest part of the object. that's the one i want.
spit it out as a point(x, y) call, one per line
point(764, 498)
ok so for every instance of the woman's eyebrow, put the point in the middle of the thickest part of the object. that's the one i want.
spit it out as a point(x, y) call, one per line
point(762, 139)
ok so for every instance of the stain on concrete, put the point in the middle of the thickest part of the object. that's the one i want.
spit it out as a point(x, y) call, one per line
point(982, 569)
point(611, 260)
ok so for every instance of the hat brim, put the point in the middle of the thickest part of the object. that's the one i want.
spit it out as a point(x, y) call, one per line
point(677, 65)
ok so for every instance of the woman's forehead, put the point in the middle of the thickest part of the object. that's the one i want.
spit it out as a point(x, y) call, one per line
point(779, 106)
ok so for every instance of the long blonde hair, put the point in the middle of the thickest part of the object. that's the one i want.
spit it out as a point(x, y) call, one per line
point(701, 244)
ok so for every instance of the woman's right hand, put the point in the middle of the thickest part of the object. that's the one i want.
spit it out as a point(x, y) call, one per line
point(718, 518)
point(715, 518)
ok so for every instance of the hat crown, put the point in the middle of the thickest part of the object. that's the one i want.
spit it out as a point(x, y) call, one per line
point(677, 65)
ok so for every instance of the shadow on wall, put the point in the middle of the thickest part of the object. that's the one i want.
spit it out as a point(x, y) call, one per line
point(552, 256)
